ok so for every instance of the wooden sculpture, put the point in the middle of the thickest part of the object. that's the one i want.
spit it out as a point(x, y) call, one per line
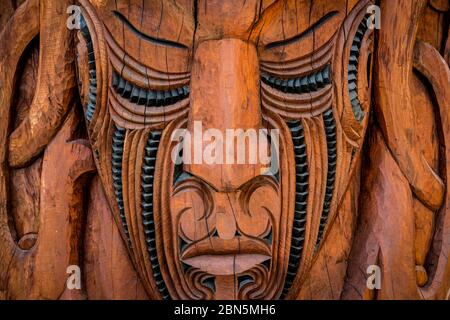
point(359, 92)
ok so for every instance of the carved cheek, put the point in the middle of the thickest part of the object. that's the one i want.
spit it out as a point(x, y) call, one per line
point(263, 204)
point(190, 210)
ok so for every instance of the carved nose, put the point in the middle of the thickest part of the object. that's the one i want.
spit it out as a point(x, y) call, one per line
point(227, 209)
point(225, 95)
point(225, 224)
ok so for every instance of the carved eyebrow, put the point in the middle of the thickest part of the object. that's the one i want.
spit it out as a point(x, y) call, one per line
point(296, 38)
point(158, 41)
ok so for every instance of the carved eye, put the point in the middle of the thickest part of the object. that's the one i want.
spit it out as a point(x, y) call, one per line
point(306, 84)
point(143, 95)
point(294, 96)
point(148, 97)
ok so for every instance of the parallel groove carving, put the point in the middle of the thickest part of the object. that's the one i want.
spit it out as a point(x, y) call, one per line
point(330, 131)
point(90, 108)
point(306, 96)
point(143, 76)
point(148, 97)
point(306, 84)
point(301, 66)
point(134, 116)
point(353, 70)
point(118, 141)
point(147, 183)
point(301, 203)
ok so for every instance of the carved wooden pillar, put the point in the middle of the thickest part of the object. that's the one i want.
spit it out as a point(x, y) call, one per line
point(209, 149)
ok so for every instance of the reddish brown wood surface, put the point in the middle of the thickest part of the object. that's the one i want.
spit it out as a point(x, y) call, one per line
point(88, 179)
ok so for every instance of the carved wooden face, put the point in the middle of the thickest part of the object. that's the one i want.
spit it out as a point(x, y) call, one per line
point(202, 230)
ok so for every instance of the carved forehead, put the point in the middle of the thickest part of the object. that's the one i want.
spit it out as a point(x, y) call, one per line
point(177, 20)
point(220, 19)
point(269, 20)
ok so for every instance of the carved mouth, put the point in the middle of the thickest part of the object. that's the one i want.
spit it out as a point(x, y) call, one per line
point(226, 257)
point(226, 265)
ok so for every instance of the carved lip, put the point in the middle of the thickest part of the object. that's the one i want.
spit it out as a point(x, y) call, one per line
point(226, 264)
point(226, 257)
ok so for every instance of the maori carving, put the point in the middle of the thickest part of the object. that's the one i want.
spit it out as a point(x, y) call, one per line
point(131, 115)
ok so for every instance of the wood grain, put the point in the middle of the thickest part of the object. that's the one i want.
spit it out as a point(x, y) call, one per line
point(88, 178)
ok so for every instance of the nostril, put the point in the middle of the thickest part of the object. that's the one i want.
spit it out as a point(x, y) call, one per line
point(215, 234)
point(182, 244)
point(268, 238)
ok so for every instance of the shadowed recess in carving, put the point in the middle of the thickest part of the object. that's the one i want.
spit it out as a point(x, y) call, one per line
point(244, 280)
point(353, 69)
point(147, 97)
point(209, 282)
point(301, 203)
point(90, 108)
point(117, 157)
point(148, 220)
point(306, 84)
point(330, 131)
